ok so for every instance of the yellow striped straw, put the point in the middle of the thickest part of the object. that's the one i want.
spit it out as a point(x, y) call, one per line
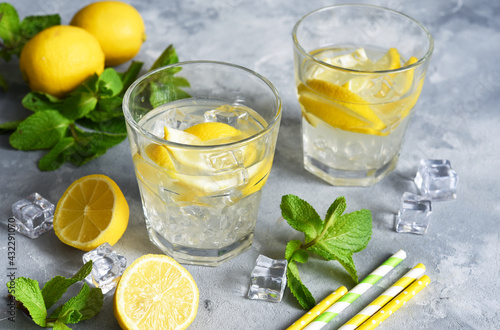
point(318, 309)
point(384, 298)
point(393, 305)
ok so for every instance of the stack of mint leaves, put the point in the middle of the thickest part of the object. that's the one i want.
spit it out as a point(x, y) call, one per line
point(336, 237)
point(85, 305)
point(89, 120)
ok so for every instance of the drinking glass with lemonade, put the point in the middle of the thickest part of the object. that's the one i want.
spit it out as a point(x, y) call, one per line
point(359, 71)
point(202, 136)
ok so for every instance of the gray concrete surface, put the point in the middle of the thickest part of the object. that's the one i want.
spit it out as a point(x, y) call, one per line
point(457, 118)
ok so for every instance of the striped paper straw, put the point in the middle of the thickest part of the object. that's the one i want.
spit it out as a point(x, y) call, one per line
point(357, 291)
point(395, 303)
point(318, 309)
point(384, 298)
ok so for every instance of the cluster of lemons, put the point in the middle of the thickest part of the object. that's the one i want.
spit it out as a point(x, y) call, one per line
point(59, 58)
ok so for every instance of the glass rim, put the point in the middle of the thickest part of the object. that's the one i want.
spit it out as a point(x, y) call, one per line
point(419, 62)
point(131, 121)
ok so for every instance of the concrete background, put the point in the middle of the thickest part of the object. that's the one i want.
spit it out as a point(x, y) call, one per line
point(456, 118)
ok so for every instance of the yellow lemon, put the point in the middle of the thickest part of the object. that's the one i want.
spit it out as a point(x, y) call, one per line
point(343, 108)
point(59, 58)
point(156, 292)
point(91, 211)
point(214, 131)
point(118, 27)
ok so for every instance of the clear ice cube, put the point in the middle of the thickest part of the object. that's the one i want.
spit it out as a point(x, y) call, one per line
point(437, 179)
point(33, 215)
point(181, 120)
point(268, 279)
point(414, 214)
point(226, 114)
point(107, 267)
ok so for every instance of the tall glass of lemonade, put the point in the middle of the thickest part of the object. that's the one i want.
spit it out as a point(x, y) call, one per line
point(359, 71)
point(202, 136)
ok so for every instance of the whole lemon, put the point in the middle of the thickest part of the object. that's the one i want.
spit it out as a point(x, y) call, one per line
point(59, 58)
point(118, 27)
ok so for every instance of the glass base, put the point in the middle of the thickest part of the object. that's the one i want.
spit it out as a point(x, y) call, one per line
point(196, 256)
point(337, 177)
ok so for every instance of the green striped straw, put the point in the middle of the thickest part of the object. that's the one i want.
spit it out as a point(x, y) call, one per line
point(357, 291)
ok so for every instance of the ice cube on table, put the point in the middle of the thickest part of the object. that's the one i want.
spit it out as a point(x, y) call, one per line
point(436, 179)
point(268, 279)
point(414, 214)
point(107, 267)
point(33, 215)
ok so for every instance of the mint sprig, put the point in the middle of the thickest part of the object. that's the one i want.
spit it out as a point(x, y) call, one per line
point(86, 304)
point(87, 122)
point(337, 237)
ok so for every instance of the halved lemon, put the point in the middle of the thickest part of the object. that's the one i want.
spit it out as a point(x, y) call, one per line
point(91, 211)
point(156, 292)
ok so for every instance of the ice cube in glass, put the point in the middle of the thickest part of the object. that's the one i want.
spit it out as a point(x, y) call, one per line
point(414, 214)
point(268, 279)
point(33, 215)
point(107, 267)
point(437, 179)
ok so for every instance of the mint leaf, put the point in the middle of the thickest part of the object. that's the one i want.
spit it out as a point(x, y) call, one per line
point(9, 126)
point(301, 216)
point(54, 289)
point(9, 24)
point(41, 130)
point(166, 92)
point(60, 326)
point(129, 76)
point(37, 101)
point(298, 289)
point(70, 311)
point(94, 304)
point(335, 211)
point(169, 56)
point(113, 125)
point(57, 155)
point(109, 83)
point(27, 292)
point(78, 105)
point(32, 25)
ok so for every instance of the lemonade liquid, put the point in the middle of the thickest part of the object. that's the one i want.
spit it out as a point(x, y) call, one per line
point(360, 139)
point(205, 201)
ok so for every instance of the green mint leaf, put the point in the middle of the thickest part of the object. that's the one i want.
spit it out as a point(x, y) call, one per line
point(110, 105)
point(78, 105)
point(41, 130)
point(37, 101)
point(113, 125)
point(56, 156)
point(70, 311)
point(109, 83)
point(89, 86)
point(32, 25)
point(294, 252)
point(129, 76)
point(165, 92)
point(169, 56)
point(335, 211)
point(60, 326)
point(54, 289)
point(301, 216)
point(9, 24)
point(84, 271)
point(343, 257)
point(298, 289)
point(91, 145)
point(94, 304)
point(9, 126)
point(3, 83)
point(27, 292)
point(107, 109)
